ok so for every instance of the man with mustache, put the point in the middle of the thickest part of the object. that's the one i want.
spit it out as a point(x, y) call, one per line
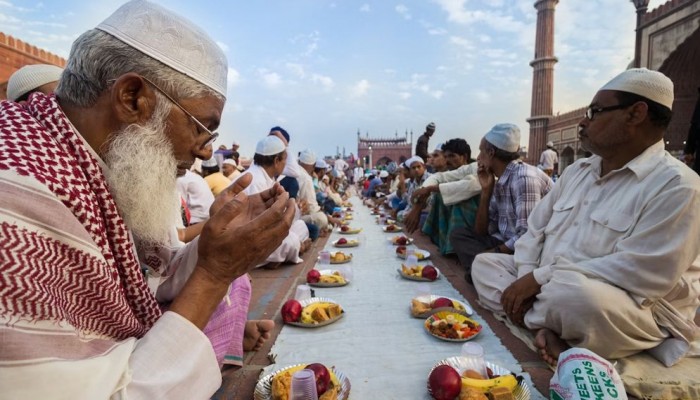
point(609, 259)
point(143, 90)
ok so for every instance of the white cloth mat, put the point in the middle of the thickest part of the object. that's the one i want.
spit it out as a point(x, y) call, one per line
point(385, 352)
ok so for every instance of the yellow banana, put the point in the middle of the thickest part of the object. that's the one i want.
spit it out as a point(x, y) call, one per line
point(507, 381)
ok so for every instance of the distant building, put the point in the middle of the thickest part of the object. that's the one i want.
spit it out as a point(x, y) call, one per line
point(381, 151)
point(15, 54)
point(667, 40)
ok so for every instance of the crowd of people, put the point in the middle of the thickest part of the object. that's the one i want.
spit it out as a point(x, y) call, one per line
point(606, 258)
point(126, 239)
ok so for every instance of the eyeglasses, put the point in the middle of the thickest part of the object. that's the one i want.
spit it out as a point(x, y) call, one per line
point(592, 111)
point(212, 135)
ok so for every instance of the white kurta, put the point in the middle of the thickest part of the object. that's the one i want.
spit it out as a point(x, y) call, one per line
point(456, 185)
point(195, 190)
point(308, 194)
point(635, 230)
point(289, 249)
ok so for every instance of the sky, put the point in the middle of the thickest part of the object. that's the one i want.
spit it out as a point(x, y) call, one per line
point(326, 69)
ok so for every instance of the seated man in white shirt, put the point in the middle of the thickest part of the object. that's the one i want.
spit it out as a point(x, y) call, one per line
point(609, 260)
point(268, 163)
point(230, 169)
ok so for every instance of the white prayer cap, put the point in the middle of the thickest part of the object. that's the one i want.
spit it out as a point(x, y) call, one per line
point(235, 143)
point(649, 84)
point(210, 163)
point(383, 174)
point(320, 163)
point(439, 147)
point(504, 136)
point(307, 157)
point(414, 160)
point(431, 125)
point(269, 146)
point(550, 144)
point(231, 161)
point(30, 77)
point(170, 39)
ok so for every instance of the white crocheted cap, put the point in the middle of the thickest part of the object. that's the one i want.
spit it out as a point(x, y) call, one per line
point(504, 136)
point(269, 146)
point(230, 161)
point(307, 157)
point(170, 39)
point(31, 77)
point(414, 160)
point(649, 84)
point(321, 163)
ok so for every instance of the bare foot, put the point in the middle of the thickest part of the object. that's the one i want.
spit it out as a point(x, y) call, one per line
point(305, 245)
point(550, 345)
point(257, 331)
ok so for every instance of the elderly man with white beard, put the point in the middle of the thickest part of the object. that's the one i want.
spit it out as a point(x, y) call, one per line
point(77, 318)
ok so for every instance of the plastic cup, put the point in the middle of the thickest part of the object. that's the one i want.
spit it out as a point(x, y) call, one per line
point(411, 259)
point(303, 293)
point(473, 355)
point(422, 290)
point(304, 385)
point(324, 257)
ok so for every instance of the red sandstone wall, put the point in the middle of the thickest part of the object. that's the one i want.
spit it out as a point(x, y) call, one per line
point(15, 53)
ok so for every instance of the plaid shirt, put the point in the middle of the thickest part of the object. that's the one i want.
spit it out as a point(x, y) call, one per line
point(515, 194)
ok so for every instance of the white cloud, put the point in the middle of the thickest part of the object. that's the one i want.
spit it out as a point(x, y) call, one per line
point(223, 46)
point(403, 11)
point(437, 31)
point(325, 81)
point(297, 69)
point(484, 38)
point(462, 42)
point(405, 95)
point(365, 8)
point(233, 77)
point(270, 79)
point(360, 88)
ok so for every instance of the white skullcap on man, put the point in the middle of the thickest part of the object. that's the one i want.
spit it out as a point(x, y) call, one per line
point(235, 143)
point(321, 163)
point(307, 157)
point(550, 144)
point(414, 160)
point(30, 77)
point(431, 125)
point(170, 39)
point(649, 84)
point(504, 136)
point(210, 163)
point(230, 161)
point(439, 147)
point(269, 146)
point(384, 174)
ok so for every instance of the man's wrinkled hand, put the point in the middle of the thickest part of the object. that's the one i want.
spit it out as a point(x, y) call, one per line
point(486, 178)
point(518, 298)
point(412, 219)
point(243, 231)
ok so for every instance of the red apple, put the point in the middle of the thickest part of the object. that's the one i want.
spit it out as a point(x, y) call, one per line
point(291, 311)
point(401, 250)
point(342, 241)
point(441, 302)
point(444, 383)
point(403, 240)
point(323, 377)
point(429, 272)
point(344, 228)
point(313, 276)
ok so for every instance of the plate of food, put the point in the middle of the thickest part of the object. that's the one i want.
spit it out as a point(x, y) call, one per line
point(392, 228)
point(400, 240)
point(326, 278)
point(330, 383)
point(348, 217)
point(311, 313)
point(403, 252)
point(499, 382)
point(342, 242)
point(423, 273)
point(347, 230)
point(338, 257)
point(425, 306)
point(452, 326)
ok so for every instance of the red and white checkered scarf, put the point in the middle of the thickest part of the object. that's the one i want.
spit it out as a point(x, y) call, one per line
point(42, 278)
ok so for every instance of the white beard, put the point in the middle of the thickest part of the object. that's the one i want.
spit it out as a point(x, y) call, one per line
point(141, 178)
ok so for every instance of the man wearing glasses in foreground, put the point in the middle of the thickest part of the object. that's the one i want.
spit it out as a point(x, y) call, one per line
point(608, 262)
point(86, 173)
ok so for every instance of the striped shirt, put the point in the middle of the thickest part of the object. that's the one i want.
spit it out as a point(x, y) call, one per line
point(515, 194)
